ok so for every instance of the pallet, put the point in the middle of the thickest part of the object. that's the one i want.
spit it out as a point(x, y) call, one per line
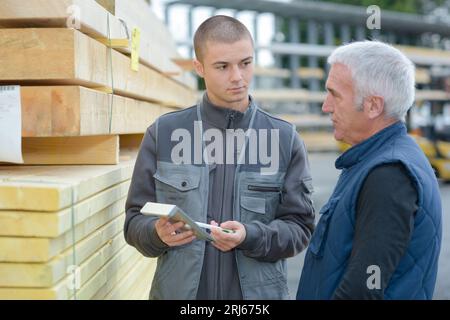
point(69, 57)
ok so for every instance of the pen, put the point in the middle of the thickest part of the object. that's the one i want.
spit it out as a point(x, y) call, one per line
point(209, 226)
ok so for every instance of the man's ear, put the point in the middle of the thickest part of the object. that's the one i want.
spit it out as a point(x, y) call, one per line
point(374, 106)
point(199, 68)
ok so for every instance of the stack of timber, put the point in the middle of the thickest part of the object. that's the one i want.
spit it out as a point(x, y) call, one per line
point(61, 234)
point(79, 93)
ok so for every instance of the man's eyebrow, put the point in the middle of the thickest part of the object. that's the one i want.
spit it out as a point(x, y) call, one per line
point(333, 92)
point(219, 62)
point(246, 59)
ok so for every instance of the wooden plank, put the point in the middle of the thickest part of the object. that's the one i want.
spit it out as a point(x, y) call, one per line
point(63, 291)
point(36, 275)
point(142, 16)
point(92, 19)
point(131, 141)
point(302, 95)
point(52, 225)
point(16, 249)
point(47, 274)
point(108, 272)
point(71, 150)
point(44, 188)
point(288, 95)
point(67, 56)
point(120, 292)
point(61, 111)
point(141, 284)
point(311, 73)
point(116, 278)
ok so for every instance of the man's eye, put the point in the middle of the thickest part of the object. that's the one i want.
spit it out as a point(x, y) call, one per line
point(221, 67)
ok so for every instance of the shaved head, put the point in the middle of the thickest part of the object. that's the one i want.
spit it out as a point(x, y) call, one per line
point(222, 29)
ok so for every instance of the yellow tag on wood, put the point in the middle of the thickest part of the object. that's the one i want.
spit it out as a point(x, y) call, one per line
point(135, 48)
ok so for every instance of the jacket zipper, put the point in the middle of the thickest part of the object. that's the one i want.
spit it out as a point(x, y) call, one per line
point(279, 190)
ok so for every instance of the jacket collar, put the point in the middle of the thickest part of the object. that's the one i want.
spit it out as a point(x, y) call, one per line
point(364, 149)
point(221, 117)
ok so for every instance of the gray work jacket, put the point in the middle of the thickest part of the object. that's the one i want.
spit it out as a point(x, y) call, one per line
point(275, 207)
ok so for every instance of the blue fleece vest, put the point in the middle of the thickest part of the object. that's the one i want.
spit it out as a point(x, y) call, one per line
point(331, 245)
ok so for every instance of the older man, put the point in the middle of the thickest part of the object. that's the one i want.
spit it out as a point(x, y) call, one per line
point(379, 235)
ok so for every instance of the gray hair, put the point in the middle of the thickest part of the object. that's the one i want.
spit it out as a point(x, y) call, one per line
point(379, 69)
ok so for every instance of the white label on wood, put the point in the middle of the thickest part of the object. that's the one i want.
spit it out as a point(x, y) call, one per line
point(10, 125)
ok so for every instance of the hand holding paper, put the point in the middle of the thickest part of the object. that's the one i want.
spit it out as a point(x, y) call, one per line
point(228, 241)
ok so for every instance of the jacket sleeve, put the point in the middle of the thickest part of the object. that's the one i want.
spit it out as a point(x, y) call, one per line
point(289, 233)
point(139, 230)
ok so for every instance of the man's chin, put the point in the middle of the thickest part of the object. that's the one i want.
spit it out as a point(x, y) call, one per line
point(238, 98)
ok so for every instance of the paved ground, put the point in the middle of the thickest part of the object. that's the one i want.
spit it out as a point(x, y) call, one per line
point(325, 177)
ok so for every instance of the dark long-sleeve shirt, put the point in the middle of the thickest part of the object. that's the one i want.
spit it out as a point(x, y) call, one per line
point(384, 224)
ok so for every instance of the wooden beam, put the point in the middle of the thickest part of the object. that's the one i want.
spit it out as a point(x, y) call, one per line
point(67, 56)
point(185, 64)
point(43, 188)
point(155, 31)
point(113, 281)
point(71, 150)
point(288, 95)
point(144, 271)
point(18, 249)
point(423, 76)
point(39, 275)
point(302, 95)
point(131, 141)
point(48, 273)
point(52, 225)
point(93, 21)
point(62, 291)
point(62, 111)
point(311, 73)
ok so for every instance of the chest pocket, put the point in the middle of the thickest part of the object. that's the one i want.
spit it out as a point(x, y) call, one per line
point(319, 238)
point(260, 196)
point(179, 185)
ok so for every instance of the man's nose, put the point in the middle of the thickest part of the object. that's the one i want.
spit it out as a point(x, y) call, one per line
point(327, 106)
point(236, 74)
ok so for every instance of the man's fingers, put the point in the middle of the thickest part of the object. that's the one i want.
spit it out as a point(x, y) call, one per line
point(184, 241)
point(173, 240)
point(221, 247)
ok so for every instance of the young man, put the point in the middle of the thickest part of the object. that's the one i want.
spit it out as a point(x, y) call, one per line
point(226, 178)
point(380, 233)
